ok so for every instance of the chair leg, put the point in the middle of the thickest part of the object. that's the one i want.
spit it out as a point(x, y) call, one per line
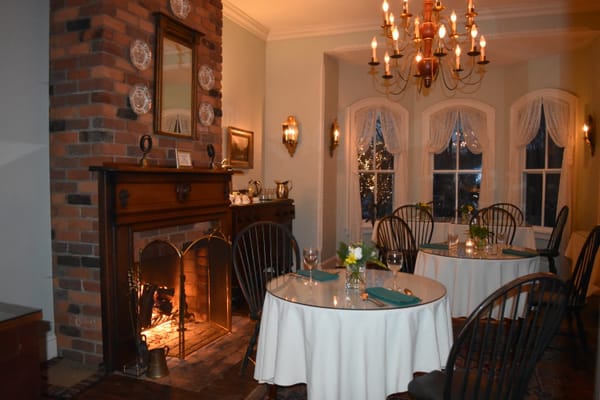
point(581, 329)
point(250, 348)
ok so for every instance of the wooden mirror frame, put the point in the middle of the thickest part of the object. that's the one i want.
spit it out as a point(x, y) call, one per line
point(168, 28)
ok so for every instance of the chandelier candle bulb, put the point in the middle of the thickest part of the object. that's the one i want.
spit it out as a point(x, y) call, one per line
point(457, 52)
point(405, 7)
point(386, 58)
point(482, 45)
point(374, 49)
point(453, 23)
point(385, 6)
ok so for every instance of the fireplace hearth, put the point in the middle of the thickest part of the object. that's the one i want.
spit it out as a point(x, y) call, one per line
point(158, 284)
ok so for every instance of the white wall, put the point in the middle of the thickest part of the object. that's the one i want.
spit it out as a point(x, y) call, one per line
point(26, 263)
point(243, 93)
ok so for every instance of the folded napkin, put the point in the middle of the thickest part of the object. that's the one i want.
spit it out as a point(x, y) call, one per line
point(392, 297)
point(436, 246)
point(520, 253)
point(318, 275)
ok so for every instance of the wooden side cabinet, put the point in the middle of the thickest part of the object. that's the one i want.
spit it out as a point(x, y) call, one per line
point(280, 211)
point(20, 363)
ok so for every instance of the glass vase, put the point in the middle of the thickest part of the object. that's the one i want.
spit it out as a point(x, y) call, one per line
point(356, 276)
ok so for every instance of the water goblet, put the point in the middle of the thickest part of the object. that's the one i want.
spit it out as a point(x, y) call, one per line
point(501, 240)
point(394, 260)
point(311, 260)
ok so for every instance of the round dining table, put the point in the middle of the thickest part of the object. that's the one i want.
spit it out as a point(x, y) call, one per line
point(470, 275)
point(345, 347)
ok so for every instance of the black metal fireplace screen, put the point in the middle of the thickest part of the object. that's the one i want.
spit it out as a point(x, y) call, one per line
point(180, 299)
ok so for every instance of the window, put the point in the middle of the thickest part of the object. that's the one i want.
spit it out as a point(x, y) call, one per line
point(456, 175)
point(541, 177)
point(376, 178)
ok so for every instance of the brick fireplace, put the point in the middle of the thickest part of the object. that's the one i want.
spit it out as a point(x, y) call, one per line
point(92, 123)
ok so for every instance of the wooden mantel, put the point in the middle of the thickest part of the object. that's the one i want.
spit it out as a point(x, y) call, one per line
point(135, 199)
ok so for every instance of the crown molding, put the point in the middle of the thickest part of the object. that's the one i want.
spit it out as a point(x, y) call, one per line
point(245, 21)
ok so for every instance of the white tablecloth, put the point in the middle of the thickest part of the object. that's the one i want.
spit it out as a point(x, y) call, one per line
point(349, 353)
point(524, 235)
point(572, 251)
point(470, 280)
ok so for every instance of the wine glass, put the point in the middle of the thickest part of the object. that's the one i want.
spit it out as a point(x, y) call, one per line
point(501, 240)
point(394, 260)
point(311, 260)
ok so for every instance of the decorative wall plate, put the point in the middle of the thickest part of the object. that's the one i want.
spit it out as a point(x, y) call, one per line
point(181, 8)
point(140, 99)
point(140, 54)
point(206, 114)
point(206, 77)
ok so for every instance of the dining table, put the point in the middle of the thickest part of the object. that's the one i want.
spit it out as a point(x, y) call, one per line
point(524, 234)
point(352, 343)
point(470, 274)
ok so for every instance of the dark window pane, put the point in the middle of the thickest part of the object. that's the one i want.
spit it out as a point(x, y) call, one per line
point(468, 160)
point(444, 198)
point(533, 196)
point(385, 185)
point(367, 195)
point(447, 158)
point(555, 154)
point(365, 160)
point(536, 149)
point(552, 182)
point(468, 189)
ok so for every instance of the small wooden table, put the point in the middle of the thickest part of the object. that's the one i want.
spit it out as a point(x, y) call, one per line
point(20, 359)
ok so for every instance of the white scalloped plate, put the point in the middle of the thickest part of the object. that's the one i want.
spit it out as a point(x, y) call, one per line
point(140, 99)
point(140, 54)
point(181, 8)
point(206, 113)
point(206, 77)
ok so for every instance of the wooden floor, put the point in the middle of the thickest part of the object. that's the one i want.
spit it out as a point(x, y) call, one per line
point(563, 373)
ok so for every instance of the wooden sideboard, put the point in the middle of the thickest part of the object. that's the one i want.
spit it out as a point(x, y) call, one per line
point(280, 211)
point(20, 358)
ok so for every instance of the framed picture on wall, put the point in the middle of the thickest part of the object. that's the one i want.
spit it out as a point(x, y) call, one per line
point(241, 147)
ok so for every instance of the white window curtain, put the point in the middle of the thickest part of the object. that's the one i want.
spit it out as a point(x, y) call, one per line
point(475, 131)
point(526, 114)
point(394, 127)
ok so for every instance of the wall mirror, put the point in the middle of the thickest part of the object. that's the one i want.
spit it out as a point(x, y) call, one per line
point(175, 91)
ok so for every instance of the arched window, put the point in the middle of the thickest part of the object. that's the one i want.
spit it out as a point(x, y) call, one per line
point(377, 158)
point(541, 145)
point(459, 169)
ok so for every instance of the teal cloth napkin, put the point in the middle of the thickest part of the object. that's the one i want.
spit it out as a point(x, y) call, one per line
point(392, 297)
point(520, 253)
point(318, 275)
point(436, 246)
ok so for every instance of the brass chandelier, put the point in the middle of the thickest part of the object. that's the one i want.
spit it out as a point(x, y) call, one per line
point(423, 48)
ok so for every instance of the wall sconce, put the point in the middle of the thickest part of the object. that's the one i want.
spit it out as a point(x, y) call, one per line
point(290, 134)
point(589, 133)
point(334, 136)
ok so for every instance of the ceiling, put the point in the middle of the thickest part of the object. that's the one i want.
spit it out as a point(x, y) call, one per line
point(517, 30)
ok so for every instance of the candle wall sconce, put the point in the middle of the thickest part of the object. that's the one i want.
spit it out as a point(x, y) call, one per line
point(589, 133)
point(334, 136)
point(290, 135)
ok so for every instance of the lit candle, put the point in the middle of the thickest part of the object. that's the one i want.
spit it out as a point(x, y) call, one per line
point(457, 52)
point(417, 30)
point(405, 7)
point(482, 44)
point(473, 36)
point(386, 7)
point(386, 58)
point(470, 6)
point(374, 49)
point(395, 37)
point(453, 22)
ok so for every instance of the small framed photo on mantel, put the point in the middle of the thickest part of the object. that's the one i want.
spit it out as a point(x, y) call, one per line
point(241, 148)
point(184, 158)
